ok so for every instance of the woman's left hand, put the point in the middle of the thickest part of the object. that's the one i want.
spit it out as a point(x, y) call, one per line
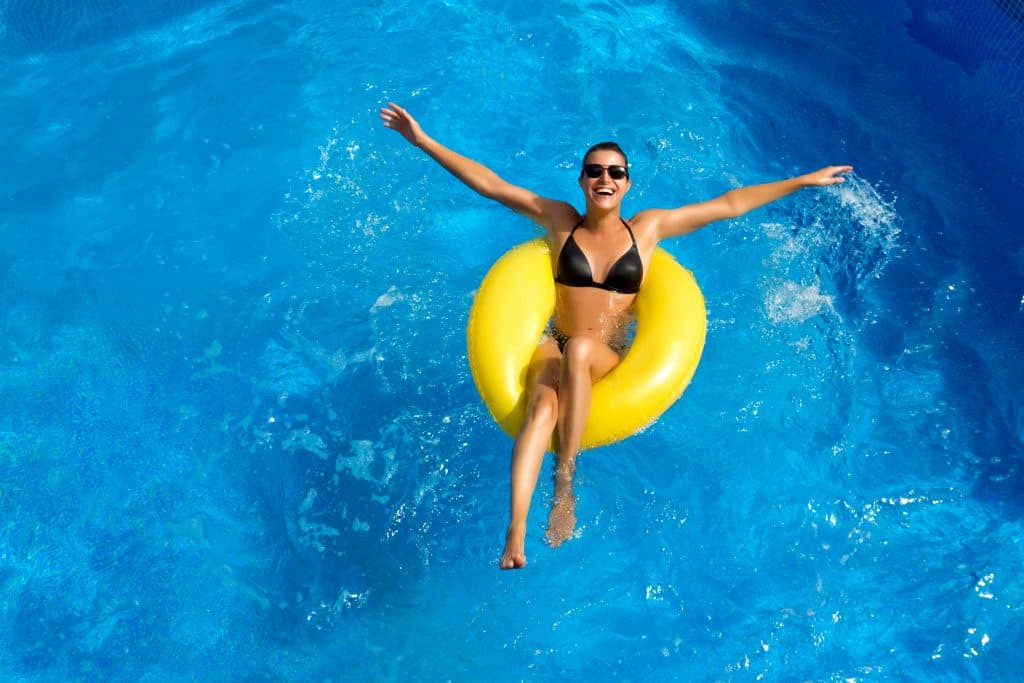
point(396, 118)
point(830, 175)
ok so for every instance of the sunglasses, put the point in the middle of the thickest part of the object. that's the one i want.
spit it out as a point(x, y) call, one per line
point(614, 172)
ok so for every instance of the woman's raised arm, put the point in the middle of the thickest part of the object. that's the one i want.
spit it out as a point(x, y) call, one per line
point(474, 174)
point(734, 203)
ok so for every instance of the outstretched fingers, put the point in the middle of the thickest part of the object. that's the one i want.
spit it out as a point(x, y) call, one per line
point(391, 115)
point(398, 119)
point(830, 175)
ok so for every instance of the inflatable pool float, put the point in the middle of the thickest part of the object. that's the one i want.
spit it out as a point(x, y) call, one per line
point(513, 306)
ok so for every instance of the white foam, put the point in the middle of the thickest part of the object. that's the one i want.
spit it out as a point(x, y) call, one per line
point(877, 219)
point(386, 299)
point(849, 236)
point(305, 439)
point(364, 455)
point(793, 302)
point(358, 463)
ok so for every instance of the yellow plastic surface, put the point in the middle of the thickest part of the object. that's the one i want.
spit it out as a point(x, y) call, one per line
point(512, 307)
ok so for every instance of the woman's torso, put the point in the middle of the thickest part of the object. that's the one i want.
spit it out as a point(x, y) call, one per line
point(593, 310)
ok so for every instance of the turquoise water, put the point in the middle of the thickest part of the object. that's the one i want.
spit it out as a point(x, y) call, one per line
point(238, 436)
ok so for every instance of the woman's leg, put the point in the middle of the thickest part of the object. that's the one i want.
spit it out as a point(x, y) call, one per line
point(529, 448)
point(584, 361)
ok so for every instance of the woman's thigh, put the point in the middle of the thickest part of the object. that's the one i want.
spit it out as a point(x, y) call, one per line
point(591, 353)
point(545, 367)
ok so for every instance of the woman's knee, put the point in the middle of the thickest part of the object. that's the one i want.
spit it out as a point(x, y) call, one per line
point(543, 408)
point(578, 353)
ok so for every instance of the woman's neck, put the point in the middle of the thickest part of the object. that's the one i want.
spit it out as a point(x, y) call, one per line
point(601, 221)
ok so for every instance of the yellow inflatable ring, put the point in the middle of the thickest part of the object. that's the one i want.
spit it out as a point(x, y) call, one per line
point(513, 306)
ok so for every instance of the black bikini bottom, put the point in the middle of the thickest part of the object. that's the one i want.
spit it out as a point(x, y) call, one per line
point(561, 338)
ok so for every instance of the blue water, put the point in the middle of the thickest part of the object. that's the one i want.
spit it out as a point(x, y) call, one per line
point(238, 436)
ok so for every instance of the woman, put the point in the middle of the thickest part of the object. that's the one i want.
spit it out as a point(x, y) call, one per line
point(599, 261)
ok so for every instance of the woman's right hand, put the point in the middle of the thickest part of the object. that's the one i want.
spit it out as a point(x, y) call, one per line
point(475, 175)
point(396, 118)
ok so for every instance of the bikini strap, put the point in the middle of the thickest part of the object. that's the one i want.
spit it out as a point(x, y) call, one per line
point(628, 229)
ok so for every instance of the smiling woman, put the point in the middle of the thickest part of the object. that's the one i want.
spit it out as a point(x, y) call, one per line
point(601, 263)
point(245, 443)
point(516, 300)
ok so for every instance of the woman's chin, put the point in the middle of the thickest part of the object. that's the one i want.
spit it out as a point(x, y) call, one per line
point(603, 202)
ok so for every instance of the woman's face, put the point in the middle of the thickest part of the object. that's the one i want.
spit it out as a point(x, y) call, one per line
point(604, 191)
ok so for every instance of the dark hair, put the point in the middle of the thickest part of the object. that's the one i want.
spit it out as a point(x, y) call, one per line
point(609, 146)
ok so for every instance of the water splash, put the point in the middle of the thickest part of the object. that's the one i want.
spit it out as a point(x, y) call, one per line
point(868, 208)
point(838, 242)
point(795, 303)
point(865, 247)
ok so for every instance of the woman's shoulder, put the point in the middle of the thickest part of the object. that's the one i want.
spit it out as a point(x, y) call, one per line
point(645, 223)
point(564, 217)
point(646, 217)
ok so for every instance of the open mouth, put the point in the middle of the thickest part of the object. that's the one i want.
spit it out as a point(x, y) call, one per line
point(606, 191)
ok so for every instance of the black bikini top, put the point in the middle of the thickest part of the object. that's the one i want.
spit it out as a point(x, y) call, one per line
point(624, 276)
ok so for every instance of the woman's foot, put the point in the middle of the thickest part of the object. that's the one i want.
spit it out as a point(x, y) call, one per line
point(562, 519)
point(514, 555)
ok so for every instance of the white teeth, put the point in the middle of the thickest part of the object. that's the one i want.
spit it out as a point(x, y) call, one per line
point(604, 191)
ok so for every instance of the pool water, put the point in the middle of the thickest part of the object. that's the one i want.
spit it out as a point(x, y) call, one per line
point(239, 439)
